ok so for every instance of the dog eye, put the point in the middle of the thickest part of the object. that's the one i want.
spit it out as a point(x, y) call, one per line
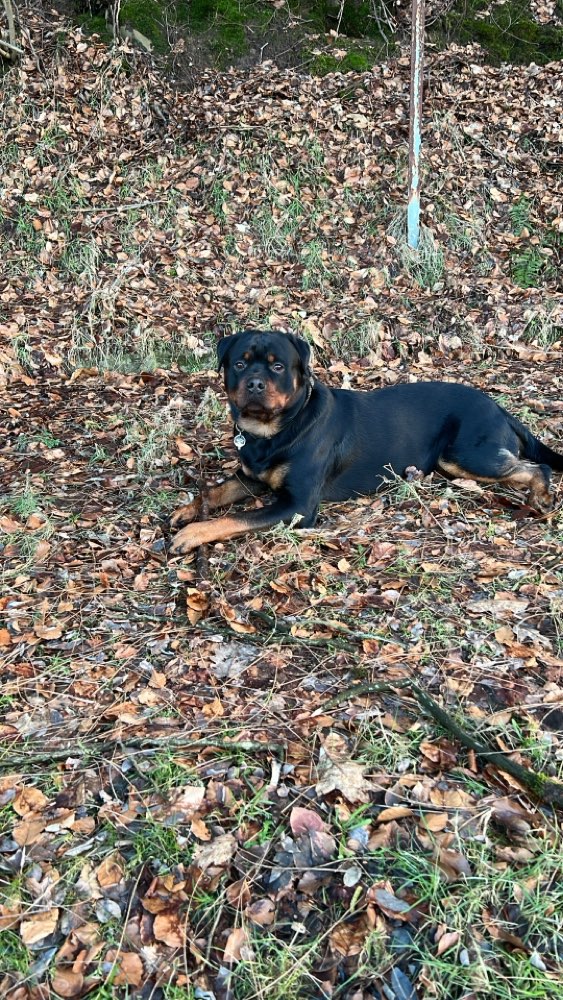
point(278, 367)
point(240, 365)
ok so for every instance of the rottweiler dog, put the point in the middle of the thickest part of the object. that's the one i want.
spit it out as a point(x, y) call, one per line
point(309, 443)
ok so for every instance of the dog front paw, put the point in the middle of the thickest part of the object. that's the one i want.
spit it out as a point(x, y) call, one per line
point(188, 539)
point(185, 514)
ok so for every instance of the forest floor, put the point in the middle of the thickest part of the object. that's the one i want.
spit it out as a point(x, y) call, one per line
point(186, 809)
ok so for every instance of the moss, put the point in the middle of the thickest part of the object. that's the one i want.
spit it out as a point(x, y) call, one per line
point(509, 34)
point(146, 17)
point(354, 18)
point(360, 58)
point(507, 31)
point(94, 25)
point(358, 21)
point(182, 11)
point(200, 13)
point(228, 18)
point(231, 36)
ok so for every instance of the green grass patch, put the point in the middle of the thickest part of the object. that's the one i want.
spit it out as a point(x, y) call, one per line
point(14, 956)
point(526, 901)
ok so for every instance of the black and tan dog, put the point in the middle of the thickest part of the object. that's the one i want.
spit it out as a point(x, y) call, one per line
point(310, 443)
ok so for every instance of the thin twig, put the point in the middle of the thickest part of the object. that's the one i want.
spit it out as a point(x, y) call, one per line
point(202, 556)
point(117, 208)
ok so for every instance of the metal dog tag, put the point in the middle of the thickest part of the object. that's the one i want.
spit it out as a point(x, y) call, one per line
point(239, 440)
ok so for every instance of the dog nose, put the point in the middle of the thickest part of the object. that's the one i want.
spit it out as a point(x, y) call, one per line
point(255, 385)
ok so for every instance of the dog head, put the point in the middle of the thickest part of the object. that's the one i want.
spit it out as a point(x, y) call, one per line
point(267, 378)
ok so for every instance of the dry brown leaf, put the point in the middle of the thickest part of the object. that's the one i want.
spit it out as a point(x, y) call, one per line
point(218, 852)
point(28, 831)
point(509, 814)
point(125, 651)
point(505, 635)
point(129, 969)
point(188, 800)
point(48, 631)
point(184, 450)
point(390, 904)
point(111, 870)
point(262, 912)
point(392, 813)
point(39, 926)
point(200, 829)
point(452, 864)
point(236, 941)
point(67, 983)
point(238, 893)
point(450, 798)
point(305, 820)
point(9, 914)
point(168, 927)
point(214, 709)
point(29, 800)
point(435, 822)
point(243, 628)
point(446, 941)
point(348, 937)
point(338, 773)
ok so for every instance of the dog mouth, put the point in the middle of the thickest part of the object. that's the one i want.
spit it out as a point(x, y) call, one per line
point(263, 406)
point(258, 411)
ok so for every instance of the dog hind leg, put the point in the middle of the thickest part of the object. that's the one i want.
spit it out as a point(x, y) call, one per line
point(499, 465)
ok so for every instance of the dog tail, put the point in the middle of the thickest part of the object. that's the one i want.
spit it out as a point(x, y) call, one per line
point(534, 449)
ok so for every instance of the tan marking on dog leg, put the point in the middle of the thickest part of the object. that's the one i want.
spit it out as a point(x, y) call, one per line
point(275, 477)
point(528, 475)
point(186, 513)
point(455, 470)
point(520, 475)
point(201, 532)
point(219, 496)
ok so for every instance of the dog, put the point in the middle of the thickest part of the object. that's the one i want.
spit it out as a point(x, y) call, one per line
point(309, 443)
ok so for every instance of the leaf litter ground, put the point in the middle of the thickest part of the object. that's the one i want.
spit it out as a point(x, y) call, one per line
point(181, 814)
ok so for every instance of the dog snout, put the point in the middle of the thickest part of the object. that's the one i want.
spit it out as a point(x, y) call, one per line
point(255, 385)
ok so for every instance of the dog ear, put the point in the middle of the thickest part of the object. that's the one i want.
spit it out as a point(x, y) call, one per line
point(223, 347)
point(303, 350)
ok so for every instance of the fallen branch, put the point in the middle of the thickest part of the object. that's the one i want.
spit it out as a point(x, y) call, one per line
point(544, 787)
point(147, 744)
point(283, 634)
point(12, 49)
